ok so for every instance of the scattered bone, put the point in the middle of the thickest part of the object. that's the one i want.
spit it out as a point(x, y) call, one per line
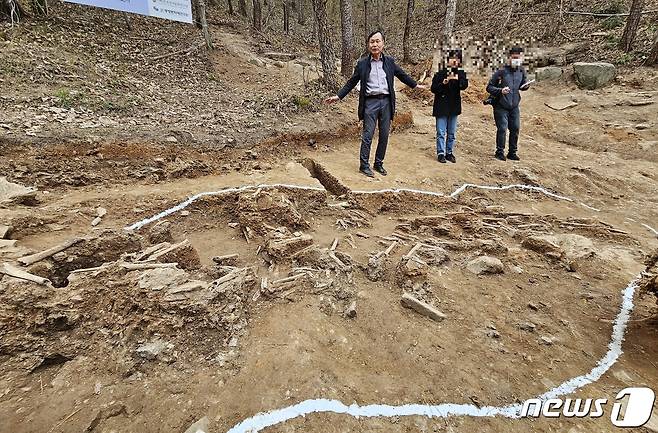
point(161, 252)
point(362, 235)
point(334, 245)
point(226, 260)
point(152, 250)
point(28, 260)
point(12, 271)
point(285, 247)
point(409, 301)
point(246, 234)
point(288, 279)
point(142, 266)
point(13, 193)
point(350, 240)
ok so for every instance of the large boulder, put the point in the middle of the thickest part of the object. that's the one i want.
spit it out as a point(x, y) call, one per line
point(548, 73)
point(594, 75)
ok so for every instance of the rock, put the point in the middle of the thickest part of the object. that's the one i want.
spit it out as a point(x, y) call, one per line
point(376, 267)
point(5, 231)
point(517, 269)
point(160, 232)
point(281, 248)
point(594, 75)
point(542, 245)
point(642, 126)
point(547, 341)
point(161, 278)
point(526, 176)
point(561, 102)
point(257, 62)
point(101, 212)
point(13, 193)
point(486, 265)
point(200, 426)
point(350, 311)
point(548, 73)
point(171, 139)
point(185, 213)
point(412, 267)
point(527, 326)
point(152, 350)
point(420, 307)
point(96, 221)
point(492, 333)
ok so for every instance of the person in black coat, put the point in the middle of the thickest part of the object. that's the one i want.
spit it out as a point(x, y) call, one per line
point(376, 99)
point(447, 85)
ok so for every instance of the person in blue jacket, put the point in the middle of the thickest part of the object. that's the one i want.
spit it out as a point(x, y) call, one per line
point(447, 85)
point(505, 86)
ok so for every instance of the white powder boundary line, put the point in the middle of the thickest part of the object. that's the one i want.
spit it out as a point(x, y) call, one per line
point(263, 420)
point(651, 229)
point(454, 194)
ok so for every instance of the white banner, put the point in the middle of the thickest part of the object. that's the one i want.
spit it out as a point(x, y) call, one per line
point(176, 10)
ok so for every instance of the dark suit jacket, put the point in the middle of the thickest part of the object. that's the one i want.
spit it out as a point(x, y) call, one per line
point(362, 72)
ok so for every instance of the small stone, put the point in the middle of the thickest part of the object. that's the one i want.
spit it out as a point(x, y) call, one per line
point(527, 326)
point(200, 426)
point(517, 269)
point(350, 311)
point(171, 139)
point(492, 333)
point(486, 265)
point(533, 306)
point(96, 221)
point(642, 126)
point(101, 212)
point(185, 213)
point(152, 350)
point(547, 341)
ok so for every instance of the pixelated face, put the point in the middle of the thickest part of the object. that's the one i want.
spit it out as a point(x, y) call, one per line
point(376, 43)
point(454, 62)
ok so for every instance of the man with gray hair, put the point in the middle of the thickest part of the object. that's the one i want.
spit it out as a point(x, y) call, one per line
point(376, 99)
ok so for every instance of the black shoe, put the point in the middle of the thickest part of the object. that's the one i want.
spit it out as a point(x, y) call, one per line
point(381, 170)
point(513, 157)
point(367, 172)
point(442, 159)
point(500, 156)
point(450, 157)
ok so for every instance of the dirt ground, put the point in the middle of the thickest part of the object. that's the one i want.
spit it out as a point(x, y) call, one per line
point(311, 305)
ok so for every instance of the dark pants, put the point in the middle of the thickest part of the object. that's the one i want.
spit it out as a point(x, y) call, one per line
point(377, 111)
point(507, 119)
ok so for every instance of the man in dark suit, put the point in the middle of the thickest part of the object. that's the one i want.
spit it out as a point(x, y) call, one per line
point(376, 99)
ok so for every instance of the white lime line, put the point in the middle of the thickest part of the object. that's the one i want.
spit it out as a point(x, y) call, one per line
point(651, 229)
point(263, 420)
point(458, 191)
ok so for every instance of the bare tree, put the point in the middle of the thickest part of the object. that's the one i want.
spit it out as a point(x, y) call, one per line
point(301, 17)
point(653, 55)
point(406, 48)
point(632, 24)
point(242, 7)
point(40, 7)
point(257, 15)
point(286, 17)
point(13, 10)
point(366, 19)
point(203, 22)
point(449, 25)
point(327, 54)
point(380, 14)
point(230, 7)
point(347, 37)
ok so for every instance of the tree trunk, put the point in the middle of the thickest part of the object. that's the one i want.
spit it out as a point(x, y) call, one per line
point(301, 17)
point(13, 10)
point(230, 7)
point(327, 55)
point(40, 7)
point(286, 17)
point(242, 7)
point(451, 12)
point(652, 60)
point(380, 15)
point(366, 20)
point(348, 37)
point(257, 15)
point(407, 32)
point(632, 24)
point(201, 9)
